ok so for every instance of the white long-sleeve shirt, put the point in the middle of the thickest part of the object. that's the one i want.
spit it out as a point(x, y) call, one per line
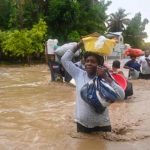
point(145, 68)
point(85, 115)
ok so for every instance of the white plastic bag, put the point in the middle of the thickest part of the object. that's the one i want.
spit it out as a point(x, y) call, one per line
point(50, 45)
point(62, 49)
point(100, 42)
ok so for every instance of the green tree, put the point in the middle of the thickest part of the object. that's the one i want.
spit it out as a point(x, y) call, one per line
point(118, 21)
point(4, 14)
point(73, 36)
point(16, 16)
point(65, 18)
point(134, 34)
point(34, 10)
point(25, 43)
point(92, 16)
point(25, 13)
point(62, 17)
point(146, 46)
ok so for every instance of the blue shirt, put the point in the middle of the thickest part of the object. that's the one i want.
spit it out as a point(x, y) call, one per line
point(133, 64)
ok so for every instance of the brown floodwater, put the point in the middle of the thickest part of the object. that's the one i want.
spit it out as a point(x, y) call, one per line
point(36, 114)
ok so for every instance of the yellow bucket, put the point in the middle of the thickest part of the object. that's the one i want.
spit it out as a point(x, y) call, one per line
point(105, 50)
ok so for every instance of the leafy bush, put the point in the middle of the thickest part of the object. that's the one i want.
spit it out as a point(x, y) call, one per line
point(24, 43)
point(74, 36)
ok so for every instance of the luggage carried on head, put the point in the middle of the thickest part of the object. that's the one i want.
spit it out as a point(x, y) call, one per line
point(62, 49)
point(98, 44)
point(134, 52)
point(50, 44)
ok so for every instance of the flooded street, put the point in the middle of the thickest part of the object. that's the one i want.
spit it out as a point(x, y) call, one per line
point(36, 114)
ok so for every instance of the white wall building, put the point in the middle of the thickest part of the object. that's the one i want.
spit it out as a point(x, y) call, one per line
point(120, 46)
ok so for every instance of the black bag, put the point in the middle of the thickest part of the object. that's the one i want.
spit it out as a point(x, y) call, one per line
point(128, 90)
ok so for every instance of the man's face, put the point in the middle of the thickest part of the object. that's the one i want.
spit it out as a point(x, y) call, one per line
point(91, 65)
point(146, 53)
point(133, 58)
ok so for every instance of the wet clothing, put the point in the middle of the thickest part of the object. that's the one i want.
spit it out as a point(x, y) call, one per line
point(134, 73)
point(133, 64)
point(81, 128)
point(55, 70)
point(85, 115)
point(80, 65)
point(145, 67)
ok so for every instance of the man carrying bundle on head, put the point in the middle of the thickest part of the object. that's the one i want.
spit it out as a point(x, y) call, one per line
point(95, 91)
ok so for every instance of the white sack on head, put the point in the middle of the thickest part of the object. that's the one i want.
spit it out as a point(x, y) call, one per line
point(100, 42)
point(62, 49)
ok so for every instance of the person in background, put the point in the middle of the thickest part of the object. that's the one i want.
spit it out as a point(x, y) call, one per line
point(53, 61)
point(145, 65)
point(55, 69)
point(116, 67)
point(86, 118)
point(81, 62)
point(134, 68)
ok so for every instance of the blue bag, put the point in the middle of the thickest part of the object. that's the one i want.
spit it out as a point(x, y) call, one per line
point(98, 94)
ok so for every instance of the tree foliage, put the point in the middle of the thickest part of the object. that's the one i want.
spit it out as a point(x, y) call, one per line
point(25, 43)
point(63, 16)
point(134, 33)
point(4, 14)
point(92, 16)
point(118, 21)
point(67, 20)
point(146, 46)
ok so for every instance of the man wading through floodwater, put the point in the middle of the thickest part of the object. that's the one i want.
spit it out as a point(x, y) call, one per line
point(88, 120)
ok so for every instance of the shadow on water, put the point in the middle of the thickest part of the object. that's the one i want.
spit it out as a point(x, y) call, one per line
point(37, 114)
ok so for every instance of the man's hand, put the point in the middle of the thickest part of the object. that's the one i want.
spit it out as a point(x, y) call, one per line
point(132, 69)
point(78, 46)
point(102, 72)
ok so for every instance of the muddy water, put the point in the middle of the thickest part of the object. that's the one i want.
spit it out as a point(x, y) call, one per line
point(38, 115)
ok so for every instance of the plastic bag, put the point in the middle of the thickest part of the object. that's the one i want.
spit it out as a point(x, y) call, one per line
point(98, 94)
point(62, 49)
point(99, 45)
point(50, 45)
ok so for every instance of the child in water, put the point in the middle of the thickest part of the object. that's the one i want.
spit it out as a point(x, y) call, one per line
point(116, 67)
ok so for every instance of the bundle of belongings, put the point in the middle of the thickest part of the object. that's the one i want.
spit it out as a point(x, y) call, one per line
point(99, 44)
point(134, 52)
point(98, 94)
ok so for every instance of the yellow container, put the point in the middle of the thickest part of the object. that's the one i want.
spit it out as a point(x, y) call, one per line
point(105, 50)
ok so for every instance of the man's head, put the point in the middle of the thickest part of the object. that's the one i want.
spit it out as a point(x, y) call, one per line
point(92, 60)
point(116, 64)
point(133, 58)
point(147, 53)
